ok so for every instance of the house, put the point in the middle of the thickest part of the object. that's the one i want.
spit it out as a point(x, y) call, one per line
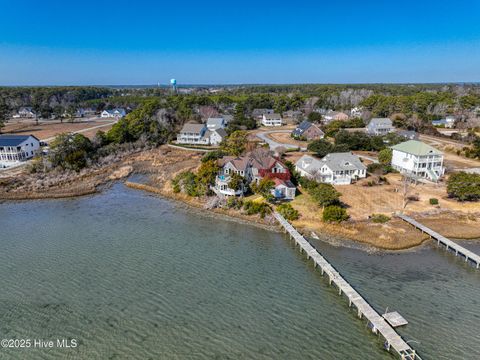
point(193, 134)
point(258, 113)
point(379, 126)
point(294, 115)
point(216, 123)
point(331, 115)
point(418, 160)
point(216, 136)
point(26, 112)
point(15, 148)
point(253, 167)
point(272, 120)
point(114, 113)
point(356, 112)
point(448, 122)
point(408, 134)
point(307, 130)
point(334, 168)
point(283, 189)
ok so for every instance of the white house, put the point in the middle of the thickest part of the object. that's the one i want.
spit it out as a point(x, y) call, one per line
point(216, 123)
point(272, 120)
point(380, 126)
point(283, 189)
point(26, 112)
point(193, 134)
point(15, 148)
point(115, 113)
point(418, 160)
point(216, 136)
point(334, 168)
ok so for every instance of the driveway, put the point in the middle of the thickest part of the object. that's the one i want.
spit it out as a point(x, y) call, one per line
point(263, 135)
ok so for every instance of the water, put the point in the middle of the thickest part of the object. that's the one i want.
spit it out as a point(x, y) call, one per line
point(132, 276)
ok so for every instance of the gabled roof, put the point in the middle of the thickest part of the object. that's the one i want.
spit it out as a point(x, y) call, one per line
point(221, 132)
point(384, 122)
point(272, 116)
point(14, 140)
point(215, 122)
point(286, 183)
point(192, 128)
point(309, 164)
point(342, 161)
point(417, 148)
point(304, 126)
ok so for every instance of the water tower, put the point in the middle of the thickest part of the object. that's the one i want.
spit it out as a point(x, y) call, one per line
point(173, 83)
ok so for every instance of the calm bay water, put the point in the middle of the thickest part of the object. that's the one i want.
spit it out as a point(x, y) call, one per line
point(132, 276)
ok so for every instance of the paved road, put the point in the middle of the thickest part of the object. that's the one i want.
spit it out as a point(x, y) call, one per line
point(262, 135)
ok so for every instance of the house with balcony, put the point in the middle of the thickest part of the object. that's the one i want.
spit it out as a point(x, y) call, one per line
point(26, 113)
point(380, 126)
point(334, 168)
point(418, 160)
point(16, 148)
point(272, 120)
point(253, 167)
point(199, 134)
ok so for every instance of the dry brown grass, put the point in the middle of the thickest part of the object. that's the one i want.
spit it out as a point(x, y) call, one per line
point(285, 138)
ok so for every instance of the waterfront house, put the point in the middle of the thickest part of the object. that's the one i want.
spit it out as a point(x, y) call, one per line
point(216, 123)
point(308, 131)
point(380, 126)
point(334, 168)
point(418, 160)
point(26, 112)
point(193, 134)
point(253, 167)
point(272, 120)
point(16, 148)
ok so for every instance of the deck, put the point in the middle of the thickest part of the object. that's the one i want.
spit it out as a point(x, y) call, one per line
point(377, 323)
point(442, 240)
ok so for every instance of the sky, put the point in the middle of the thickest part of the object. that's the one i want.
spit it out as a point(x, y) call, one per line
point(238, 42)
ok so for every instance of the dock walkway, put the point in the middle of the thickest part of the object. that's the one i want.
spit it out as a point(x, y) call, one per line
point(449, 244)
point(376, 322)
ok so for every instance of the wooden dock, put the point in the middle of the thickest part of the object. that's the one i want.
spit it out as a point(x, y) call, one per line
point(376, 322)
point(442, 240)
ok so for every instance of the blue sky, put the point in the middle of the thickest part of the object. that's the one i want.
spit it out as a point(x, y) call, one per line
point(145, 42)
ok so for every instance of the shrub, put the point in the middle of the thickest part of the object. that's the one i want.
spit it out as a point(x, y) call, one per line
point(385, 156)
point(334, 213)
point(252, 208)
point(379, 218)
point(288, 212)
point(325, 195)
point(464, 186)
point(234, 203)
point(433, 201)
point(189, 183)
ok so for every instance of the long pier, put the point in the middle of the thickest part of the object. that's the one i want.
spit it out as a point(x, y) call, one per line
point(442, 240)
point(377, 323)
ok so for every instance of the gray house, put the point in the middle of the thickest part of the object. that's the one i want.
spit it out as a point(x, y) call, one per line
point(334, 168)
point(379, 126)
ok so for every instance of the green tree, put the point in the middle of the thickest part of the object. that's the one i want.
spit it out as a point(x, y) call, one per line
point(70, 151)
point(264, 187)
point(236, 182)
point(385, 156)
point(334, 213)
point(321, 147)
point(4, 113)
point(288, 212)
point(464, 186)
point(325, 195)
point(235, 144)
point(208, 172)
point(314, 117)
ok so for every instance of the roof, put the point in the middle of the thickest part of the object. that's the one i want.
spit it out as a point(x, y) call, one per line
point(14, 140)
point(416, 147)
point(272, 116)
point(192, 128)
point(304, 126)
point(309, 164)
point(286, 183)
point(221, 132)
point(380, 122)
point(216, 122)
point(342, 161)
